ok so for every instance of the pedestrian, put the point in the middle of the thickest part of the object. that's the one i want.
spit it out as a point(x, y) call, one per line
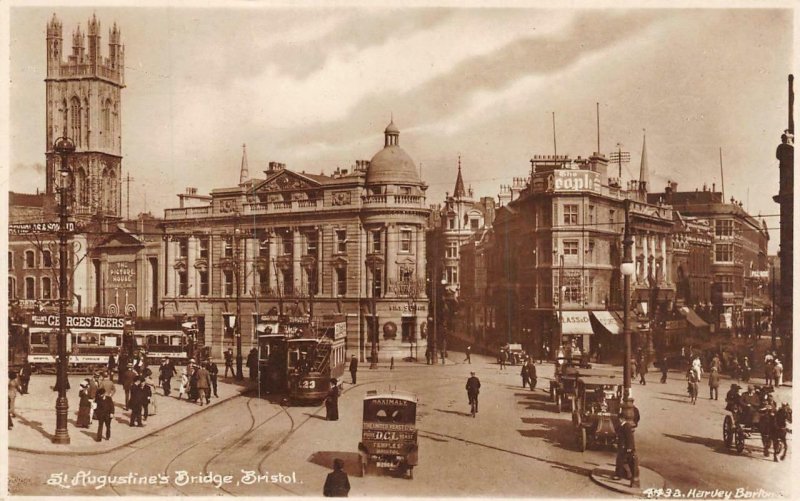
point(746, 370)
point(332, 402)
point(713, 384)
point(468, 351)
point(778, 372)
point(135, 403)
point(769, 369)
point(127, 379)
point(642, 370)
point(391, 363)
point(664, 369)
point(229, 362)
point(443, 355)
point(502, 359)
point(353, 368)
point(107, 385)
point(112, 366)
point(428, 356)
point(337, 485)
point(105, 411)
point(184, 386)
point(627, 465)
point(532, 374)
point(203, 384)
point(473, 388)
point(84, 406)
point(165, 373)
point(213, 373)
point(252, 364)
point(14, 389)
point(524, 374)
point(147, 398)
point(25, 377)
point(194, 394)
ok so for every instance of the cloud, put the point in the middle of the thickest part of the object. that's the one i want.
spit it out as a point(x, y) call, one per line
point(27, 177)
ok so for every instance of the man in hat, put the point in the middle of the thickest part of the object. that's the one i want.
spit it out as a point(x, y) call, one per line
point(127, 378)
point(332, 402)
point(229, 362)
point(467, 352)
point(337, 485)
point(713, 384)
point(213, 373)
point(473, 389)
point(732, 398)
point(203, 384)
point(165, 373)
point(136, 403)
point(353, 368)
point(105, 411)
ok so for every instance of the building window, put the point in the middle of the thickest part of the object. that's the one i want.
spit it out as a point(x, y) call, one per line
point(30, 288)
point(311, 243)
point(227, 247)
point(47, 259)
point(341, 241)
point(612, 214)
point(203, 283)
point(723, 253)
point(452, 250)
point(376, 240)
point(405, 190)
point(47, 291)
point(725, 282)
point(263, 283)
point(30, 259)
point(590, 250)
point(227, 283)
point(377, 283)
point(406, 276)
point(451, 223)
point(341, 281)
point(452, 275)
point(405, 240)
point(183, 283)
point(590, 215)
point(203, 248)
point(10, 260)
point(570, 214)
point(474, 224)
point(183, 247)
point(723, 227)
point(570, 247)
point(288, 282)
point(12, 288)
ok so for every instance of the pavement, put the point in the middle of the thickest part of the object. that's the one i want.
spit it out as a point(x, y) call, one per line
point(38, 407)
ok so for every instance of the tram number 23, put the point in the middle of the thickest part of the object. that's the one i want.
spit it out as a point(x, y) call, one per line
point(308, 384)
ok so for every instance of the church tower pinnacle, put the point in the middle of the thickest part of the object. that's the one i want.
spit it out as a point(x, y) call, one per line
point(244, 174)
point(644, 174)
point(459, 191)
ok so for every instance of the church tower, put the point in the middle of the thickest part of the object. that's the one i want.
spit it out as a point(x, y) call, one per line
point(83, 94)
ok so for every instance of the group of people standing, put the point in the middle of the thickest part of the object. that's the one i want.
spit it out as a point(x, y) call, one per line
point(198, 381)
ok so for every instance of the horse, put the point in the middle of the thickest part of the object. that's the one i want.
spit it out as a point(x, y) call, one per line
point(773, 431)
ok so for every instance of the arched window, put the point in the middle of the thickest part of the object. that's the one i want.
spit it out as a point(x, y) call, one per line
point(109, 189)
point(81, 187)
point(30, 288)
point(47, 288)
point(106, 129)
point(86, 120)
point(30, 259)
point(64, 122)
point(75, 120)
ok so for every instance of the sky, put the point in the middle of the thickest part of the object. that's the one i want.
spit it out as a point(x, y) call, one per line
point(315, 87)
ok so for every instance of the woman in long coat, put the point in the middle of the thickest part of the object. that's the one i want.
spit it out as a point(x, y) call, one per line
point(332, 402)
point(184, 385)
point(84, 407)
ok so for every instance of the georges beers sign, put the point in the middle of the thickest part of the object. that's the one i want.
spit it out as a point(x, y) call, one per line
point(79, 321)
point(573, 180)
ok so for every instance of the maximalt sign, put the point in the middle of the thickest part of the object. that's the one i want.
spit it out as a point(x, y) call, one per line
point(79, 321)
point(44, 227)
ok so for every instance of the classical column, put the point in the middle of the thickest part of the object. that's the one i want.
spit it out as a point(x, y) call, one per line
point(191, 273)
point(419, 235)
point(297, 252)
point(653, 253)
point(172, 274)
point(320, 260)
point(646, 249)
point(664, 261)
point(248, 265)
point(273, 253)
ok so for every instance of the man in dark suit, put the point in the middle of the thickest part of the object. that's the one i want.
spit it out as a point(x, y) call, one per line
point(165, 373)
point(105, 411)
point(203, 384)
point(25, 376)
point(353, 368)
point(213, 373)
point(337, 485)
point(127, 378)
point(473, 389)
point(136, 403)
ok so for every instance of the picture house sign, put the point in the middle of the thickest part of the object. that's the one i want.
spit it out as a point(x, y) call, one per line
point(120, 288)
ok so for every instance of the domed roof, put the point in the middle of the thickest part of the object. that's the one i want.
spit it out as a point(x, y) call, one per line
point(392, 165)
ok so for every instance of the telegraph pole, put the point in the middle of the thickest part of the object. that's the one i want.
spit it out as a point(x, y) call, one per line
point(128, 180)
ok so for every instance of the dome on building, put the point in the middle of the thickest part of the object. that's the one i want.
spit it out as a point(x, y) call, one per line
point(392, 165)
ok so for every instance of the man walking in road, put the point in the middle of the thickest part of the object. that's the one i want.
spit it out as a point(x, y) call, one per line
point(203, 384)
point(135, 403)
point(229, 362)
point(524, 374)
point(713, 384)
point(532, 373)
point(664, 370)
point(165, 373)
point(468, 351)
point(213, 373)
point(127, 379)
point(337, 485)
point(353, 368)
point(473, 389)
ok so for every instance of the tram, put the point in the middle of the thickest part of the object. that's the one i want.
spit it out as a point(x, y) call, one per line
point(299, 360)
point(90, 341)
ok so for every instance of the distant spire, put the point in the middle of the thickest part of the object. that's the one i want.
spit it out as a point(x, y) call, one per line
point(643, 171)
point(459, 191)
point(244, 175)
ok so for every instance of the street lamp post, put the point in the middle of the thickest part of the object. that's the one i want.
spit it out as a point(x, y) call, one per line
point(626, 443)
point(64, 147)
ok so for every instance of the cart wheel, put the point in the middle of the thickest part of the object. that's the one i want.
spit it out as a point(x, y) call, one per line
point(558, 402)
point(739, 439)
point(727, 431)
point(582, 439)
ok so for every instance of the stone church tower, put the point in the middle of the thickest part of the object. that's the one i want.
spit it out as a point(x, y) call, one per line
point(84, 104)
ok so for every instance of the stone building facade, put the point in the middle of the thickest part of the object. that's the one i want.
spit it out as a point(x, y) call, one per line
point(304, 244)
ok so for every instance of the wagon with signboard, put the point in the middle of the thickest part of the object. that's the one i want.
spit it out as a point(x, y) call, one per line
point(389, 433)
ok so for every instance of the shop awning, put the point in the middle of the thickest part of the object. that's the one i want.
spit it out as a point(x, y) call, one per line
point(604, 321)
point(633, 323)
point(692, 317)
point(575, 323)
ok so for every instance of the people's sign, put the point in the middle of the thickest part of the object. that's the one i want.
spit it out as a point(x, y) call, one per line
point(43, 227)
point(573, 180)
